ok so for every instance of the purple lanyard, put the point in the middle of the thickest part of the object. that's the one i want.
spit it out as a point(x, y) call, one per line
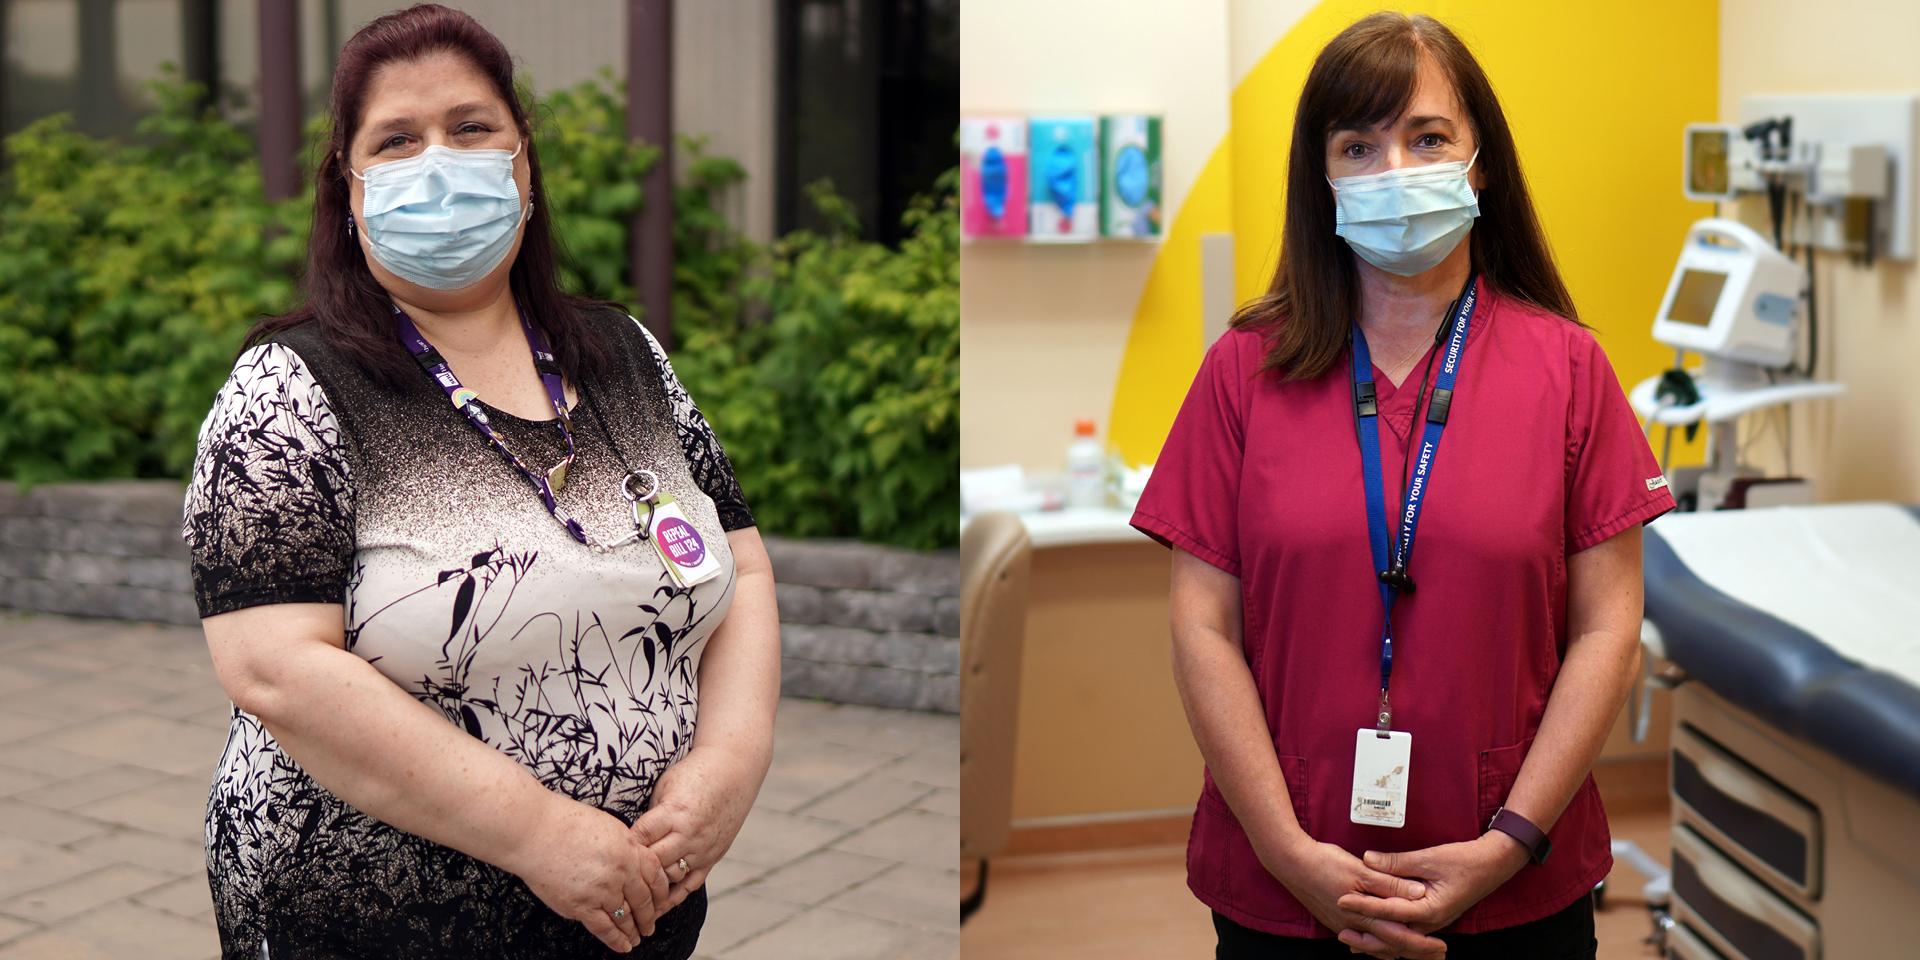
point(466, 401)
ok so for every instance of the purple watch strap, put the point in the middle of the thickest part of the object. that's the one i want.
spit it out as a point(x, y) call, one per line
point(1523, 830)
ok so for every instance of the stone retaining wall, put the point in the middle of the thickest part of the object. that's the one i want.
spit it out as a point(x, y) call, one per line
point(867, 624)
point(859, 623)
point(106, 549)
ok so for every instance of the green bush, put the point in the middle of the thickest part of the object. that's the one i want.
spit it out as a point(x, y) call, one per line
point(130, 271)
point(128, 274)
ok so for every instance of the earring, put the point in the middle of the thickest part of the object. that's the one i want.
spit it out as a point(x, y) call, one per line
point(349, 223)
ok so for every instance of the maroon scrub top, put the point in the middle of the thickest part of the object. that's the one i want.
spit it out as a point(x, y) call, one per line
point(1542, 458)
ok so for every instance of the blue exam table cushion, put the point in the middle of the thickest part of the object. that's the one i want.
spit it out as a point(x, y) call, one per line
point(1807, 616)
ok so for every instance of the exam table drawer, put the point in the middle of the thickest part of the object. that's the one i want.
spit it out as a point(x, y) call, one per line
point(1684, 944)
point(1746, 814)
point(1733, 912)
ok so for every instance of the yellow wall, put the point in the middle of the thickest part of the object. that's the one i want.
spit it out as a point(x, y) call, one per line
point(1596, 101)
point(1866, 444)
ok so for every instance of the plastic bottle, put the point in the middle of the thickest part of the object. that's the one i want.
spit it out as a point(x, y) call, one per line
point(1086, 468)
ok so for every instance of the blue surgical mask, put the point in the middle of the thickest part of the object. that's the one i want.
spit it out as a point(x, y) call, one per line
point(1405, 221)
point(443, 218)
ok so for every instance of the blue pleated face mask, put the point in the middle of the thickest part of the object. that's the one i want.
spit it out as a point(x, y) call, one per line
point(1405, 221)
point(443, 218)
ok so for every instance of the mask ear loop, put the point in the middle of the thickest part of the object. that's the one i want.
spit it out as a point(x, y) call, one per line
point(528, 213)
point(350, 227)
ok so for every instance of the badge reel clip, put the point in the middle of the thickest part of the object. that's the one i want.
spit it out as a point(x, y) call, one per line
point(642, 527)
point(1381, 758)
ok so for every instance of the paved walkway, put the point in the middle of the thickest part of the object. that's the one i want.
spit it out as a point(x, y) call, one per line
point(109, 731)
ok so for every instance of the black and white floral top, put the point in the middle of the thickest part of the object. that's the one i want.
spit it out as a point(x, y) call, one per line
point(313, 484)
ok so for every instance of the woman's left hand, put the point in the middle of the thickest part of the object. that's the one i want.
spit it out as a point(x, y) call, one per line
point(1457, 876)
point(699, 805)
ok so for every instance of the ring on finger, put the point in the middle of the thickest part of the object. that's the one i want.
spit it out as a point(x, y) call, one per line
point(684, 869)
point(621, 911)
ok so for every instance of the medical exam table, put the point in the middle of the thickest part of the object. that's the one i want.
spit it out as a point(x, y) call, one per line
point(1795, 773)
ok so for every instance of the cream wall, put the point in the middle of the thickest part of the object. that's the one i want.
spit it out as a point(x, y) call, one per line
point(1865, 444)
point(1042, 328)
point(1042, 332)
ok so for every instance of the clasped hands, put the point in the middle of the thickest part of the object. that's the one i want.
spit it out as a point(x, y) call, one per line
point(1386, 904)
point(587, 865)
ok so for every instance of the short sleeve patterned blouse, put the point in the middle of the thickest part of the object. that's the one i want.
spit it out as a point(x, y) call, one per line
point(313, 484)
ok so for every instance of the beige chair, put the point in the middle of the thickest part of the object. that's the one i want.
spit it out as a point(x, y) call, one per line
point(995, 559)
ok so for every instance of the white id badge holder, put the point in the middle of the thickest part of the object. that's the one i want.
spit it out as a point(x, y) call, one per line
point(681, 549)
point(1380, 763)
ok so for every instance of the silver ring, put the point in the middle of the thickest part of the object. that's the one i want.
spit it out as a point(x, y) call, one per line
point(617, 914)
point(653, 485)
point(684, 869)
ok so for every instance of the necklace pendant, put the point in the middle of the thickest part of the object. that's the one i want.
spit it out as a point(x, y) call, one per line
point(557, 477)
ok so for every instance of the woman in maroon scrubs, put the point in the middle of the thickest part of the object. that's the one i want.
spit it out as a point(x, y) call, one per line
point(1398, 779)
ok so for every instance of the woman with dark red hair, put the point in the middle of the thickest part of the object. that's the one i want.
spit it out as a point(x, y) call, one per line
point(1393, 747)
point(470, 564)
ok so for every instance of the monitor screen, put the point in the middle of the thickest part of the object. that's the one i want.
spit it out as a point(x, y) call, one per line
point(1708, 171)
point(1694, 300)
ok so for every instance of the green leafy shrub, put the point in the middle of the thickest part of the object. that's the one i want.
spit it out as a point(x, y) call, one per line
point(130, 271)
point(128, 274)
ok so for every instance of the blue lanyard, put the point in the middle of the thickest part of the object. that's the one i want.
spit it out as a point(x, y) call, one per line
point(1392, 572)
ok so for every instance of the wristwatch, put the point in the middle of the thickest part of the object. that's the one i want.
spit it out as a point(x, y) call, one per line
point(1523, 830)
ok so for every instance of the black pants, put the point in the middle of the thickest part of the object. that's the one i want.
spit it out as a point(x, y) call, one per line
point(1567, 935)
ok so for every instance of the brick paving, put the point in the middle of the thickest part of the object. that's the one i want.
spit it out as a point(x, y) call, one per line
point(109, 731)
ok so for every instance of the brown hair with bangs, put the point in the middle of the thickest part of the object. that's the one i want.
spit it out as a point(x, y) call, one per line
point(1365, 77)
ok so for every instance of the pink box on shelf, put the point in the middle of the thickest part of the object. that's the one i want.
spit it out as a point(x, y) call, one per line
point(993, 176)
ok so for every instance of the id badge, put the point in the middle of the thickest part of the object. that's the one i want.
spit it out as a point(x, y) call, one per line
point(1380, 777)
point(679, 545)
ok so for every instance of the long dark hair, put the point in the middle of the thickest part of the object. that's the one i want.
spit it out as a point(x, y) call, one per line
point(1365, 76)
point(341, 293)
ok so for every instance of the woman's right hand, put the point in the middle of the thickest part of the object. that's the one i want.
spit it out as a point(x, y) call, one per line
point(583, 863)
point(1317, 874)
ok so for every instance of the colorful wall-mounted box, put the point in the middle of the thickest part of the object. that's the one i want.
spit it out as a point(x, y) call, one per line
point(1130, 183)
point(1065, 188)
point(993, 176)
